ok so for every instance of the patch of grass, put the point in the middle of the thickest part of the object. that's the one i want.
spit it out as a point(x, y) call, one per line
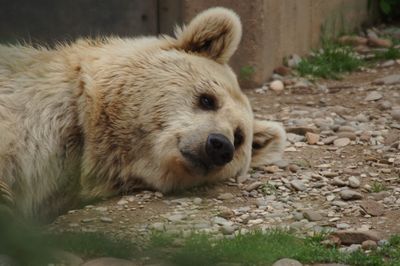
point(265, 248)
point(329, 62)
point(378, 187)
point(390, 54)
point(246, 72)
point(268, 189)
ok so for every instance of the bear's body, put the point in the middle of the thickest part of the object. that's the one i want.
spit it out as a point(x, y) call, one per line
point(98, 117)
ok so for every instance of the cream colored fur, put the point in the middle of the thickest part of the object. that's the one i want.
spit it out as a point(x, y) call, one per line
point(100, 117)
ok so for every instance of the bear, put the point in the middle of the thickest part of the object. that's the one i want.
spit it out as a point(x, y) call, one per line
point(100, 117)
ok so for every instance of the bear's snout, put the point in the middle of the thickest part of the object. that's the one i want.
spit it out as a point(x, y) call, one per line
point(219, 149)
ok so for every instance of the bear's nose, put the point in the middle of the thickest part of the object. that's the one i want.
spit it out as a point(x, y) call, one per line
point(219, 149)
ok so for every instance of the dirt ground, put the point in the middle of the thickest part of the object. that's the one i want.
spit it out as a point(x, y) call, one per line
point(269, 198)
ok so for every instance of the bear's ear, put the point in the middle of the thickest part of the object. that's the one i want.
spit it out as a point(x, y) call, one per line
point(269, 141)
point(214, 33)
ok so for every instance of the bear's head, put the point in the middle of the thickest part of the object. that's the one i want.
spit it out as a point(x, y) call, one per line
point(169, 113)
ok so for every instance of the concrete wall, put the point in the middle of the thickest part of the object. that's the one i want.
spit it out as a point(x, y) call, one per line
point(275, 29)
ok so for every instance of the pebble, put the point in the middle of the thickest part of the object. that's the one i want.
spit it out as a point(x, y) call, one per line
point(369, 245)
point(228, 229)
point(312, 215)
point(298, 185)
point(176, 217)
point(158, 226)
point(349, 237)
point(341, 142)
point(253, 186)
point(354, 182)
point(226, 196)
point(388, 80)
point(277, 86)
point(107, 261)
point(293, 61)
point(197, 201)
point(373, 96)
point(396, 114)
point(312, 138)
point(349, 135)
point(372, 207)
point(106, 219)
point(287, 262)
point(348, 194)
point(329, 140)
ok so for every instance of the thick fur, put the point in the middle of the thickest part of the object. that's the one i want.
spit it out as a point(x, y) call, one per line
point(99, 117)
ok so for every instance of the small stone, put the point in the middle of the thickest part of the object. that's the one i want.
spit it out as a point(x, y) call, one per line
point(353, 40)
point(348, 237)
point(293, 168)
point(301, 130)
point(329, 140)
point(385, 105)
point(349, 135)
point(253, 186)
point(277, 86)
point(122, 202)
point(372, 207)
point(369, 245)
point(228, 229)
point(388, 63)
point(106, 220)
point(226, 196)
point(312, 138)
point(336, 181)
point(388, 80)
point(158, 226)
point(379, 42)
point(396, 114)
point(342, 226)
point(107, 261)
point(341, 142)
point(293, 138)
point(271, 169)
point(282, 70)
point(312, 215)
point(373, 96)
point(197, 201)
point(354, 182)
point(176, 217)
point(298, 185)
point(348, 194)
point(225, 212)
point(287, 262)
point(298, 216)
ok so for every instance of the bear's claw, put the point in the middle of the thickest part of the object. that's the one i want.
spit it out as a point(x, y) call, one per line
point(6, 196)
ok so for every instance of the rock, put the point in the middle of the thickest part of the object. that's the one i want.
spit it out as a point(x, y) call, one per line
point(298, 185)
point(66, 258)
point(388, 80)
point(329, 140)
point(176, 217)
point(271, 169)
point(379, 42)
point(312, 138)
point(197, 201)
point(312, 215)
point(277, 86)
point(372, 207)
point(122, 202)
point(220, 221)
point(293, 138)
point(352, 40)
point(354, 182)
point(282, 70)
point(228, 229)
point(349, 135)
point(348, 237)
point(384, 105)
point(225, 212)
point(341, 142)
point(158, 226)
point(337, 181)
point(226, 196)
point(253, 186)
point(287, 262)
point(106, 219)
point(8, 261)
point(373, 96)
point(396, 114)
point(107, 261)
point(348, 194)
point(388, 63)
point(342, 226)
point(301, 130)
point(369, 245)
point(346, 129)
point(293, 60)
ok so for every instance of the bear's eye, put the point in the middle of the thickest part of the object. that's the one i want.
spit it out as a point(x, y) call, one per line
point(239, 138)
point(207, 102)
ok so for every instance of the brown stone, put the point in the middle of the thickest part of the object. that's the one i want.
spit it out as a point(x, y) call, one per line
point(379, 42)
point(348, 237)
point(372, 207)
point(282, 70)
point(312, 138)
point(369, 245)
point(353, 40)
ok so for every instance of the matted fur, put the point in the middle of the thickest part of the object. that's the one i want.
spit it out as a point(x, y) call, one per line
point(99, 117)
